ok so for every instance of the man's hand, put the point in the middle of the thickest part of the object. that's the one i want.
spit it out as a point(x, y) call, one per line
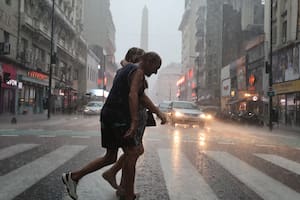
point(130, 133)
point(162, 117)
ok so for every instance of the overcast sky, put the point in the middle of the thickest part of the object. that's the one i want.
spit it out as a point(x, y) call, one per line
point(164, 19)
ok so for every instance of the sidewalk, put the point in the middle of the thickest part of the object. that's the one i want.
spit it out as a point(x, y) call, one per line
point(28, 118)
point(281, 129)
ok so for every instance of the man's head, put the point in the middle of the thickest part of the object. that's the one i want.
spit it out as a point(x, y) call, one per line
point(151, 62)
point(134, 54)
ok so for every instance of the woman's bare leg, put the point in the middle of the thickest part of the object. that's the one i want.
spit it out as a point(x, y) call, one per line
point(109, 158)
point(110, 174)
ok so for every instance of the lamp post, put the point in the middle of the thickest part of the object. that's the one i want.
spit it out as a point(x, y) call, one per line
point(271, 93)
point(52, 60)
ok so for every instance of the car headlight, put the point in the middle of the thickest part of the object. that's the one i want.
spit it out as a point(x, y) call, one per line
point(178, 114)
point(86, 110)
point(202, 116)
point(209, 116)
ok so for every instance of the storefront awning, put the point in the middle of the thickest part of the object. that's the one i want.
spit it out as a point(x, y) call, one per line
point(31, 80)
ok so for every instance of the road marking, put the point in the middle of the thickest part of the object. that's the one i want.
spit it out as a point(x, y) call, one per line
point(15, 149)
point(81, 136)
point(9, 135)
point(47, 136)
point(153, 139)
point(282, 162)
point(226, 143)
point(265, 186)
point(3, 130)
point(182, 178)
point(264, 145)
point(17, 181)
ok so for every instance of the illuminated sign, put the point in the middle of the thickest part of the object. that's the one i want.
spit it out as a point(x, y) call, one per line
point(251, 81)
point(12, 82)
point(37, 75)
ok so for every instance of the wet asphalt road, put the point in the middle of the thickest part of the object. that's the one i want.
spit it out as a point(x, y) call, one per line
point(219, 161)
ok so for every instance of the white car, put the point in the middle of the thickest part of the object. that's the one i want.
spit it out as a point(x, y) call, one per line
point(93, 108)
point(185, 112)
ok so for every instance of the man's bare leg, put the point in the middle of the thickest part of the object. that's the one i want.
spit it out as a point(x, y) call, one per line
point(126, 188)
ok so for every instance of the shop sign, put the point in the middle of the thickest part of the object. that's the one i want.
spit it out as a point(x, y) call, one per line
point(12, 82)
point(287, 87)
point(37, 75)
point(251, 81)
point(1, 70)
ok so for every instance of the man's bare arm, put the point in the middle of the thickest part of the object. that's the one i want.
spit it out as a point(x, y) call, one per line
point(150, 105)
point(135, 85)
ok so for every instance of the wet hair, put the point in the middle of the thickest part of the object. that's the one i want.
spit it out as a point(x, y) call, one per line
point(152, 57)
point(134, 54)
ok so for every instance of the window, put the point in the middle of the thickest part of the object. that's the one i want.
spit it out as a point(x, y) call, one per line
point(274, 34)
point(8, 2)
point(284, 31)
point(6, 36)
point(75, 74)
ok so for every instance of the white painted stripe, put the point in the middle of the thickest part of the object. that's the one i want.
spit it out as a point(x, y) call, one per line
point(80, 136)
point(47, 136)
point(152, 139)
point(7, 130)
point(226, 143)
point(24, 177)
point(182, 179)
point(282, 162)
point(36, 129)
point(10, 135)
point(15, 149)
point(264, 145)
point(265, 186)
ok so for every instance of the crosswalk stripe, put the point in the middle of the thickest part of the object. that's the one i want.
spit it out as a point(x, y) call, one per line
point(282, 162)
point(182, 179)
point(15, 149)
point(263, 185)
point(24, 177)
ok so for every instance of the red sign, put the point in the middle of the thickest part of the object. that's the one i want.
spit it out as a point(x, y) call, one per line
point(251, 82)
point(37, 75)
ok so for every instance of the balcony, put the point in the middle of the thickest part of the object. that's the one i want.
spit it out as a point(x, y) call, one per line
point(62, 16)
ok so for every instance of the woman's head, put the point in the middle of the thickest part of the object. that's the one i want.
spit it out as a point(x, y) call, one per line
point(134, 54)
point(151, 62)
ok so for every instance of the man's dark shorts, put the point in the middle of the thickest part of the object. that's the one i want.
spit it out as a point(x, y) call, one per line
point(112, 132)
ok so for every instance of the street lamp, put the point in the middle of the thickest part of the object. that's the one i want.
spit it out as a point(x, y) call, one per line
point(52, 59)
point(269, 70)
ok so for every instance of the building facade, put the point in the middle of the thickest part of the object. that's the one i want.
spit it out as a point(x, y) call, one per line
point(167, 83)
point(100, 34)
point(285, 58)
point(28, 61)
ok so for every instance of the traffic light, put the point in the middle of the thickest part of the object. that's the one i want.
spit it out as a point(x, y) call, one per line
point(6, 77)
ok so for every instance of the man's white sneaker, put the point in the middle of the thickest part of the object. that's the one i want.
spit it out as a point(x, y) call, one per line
point(70, 185)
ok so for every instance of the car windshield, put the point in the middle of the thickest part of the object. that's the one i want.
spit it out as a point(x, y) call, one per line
point(164, 105)
point(184, 105)
point(95, 104)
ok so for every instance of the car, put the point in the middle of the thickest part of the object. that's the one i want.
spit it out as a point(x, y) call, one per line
point(93, 108)
point(186, 112)
point(165, 108)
